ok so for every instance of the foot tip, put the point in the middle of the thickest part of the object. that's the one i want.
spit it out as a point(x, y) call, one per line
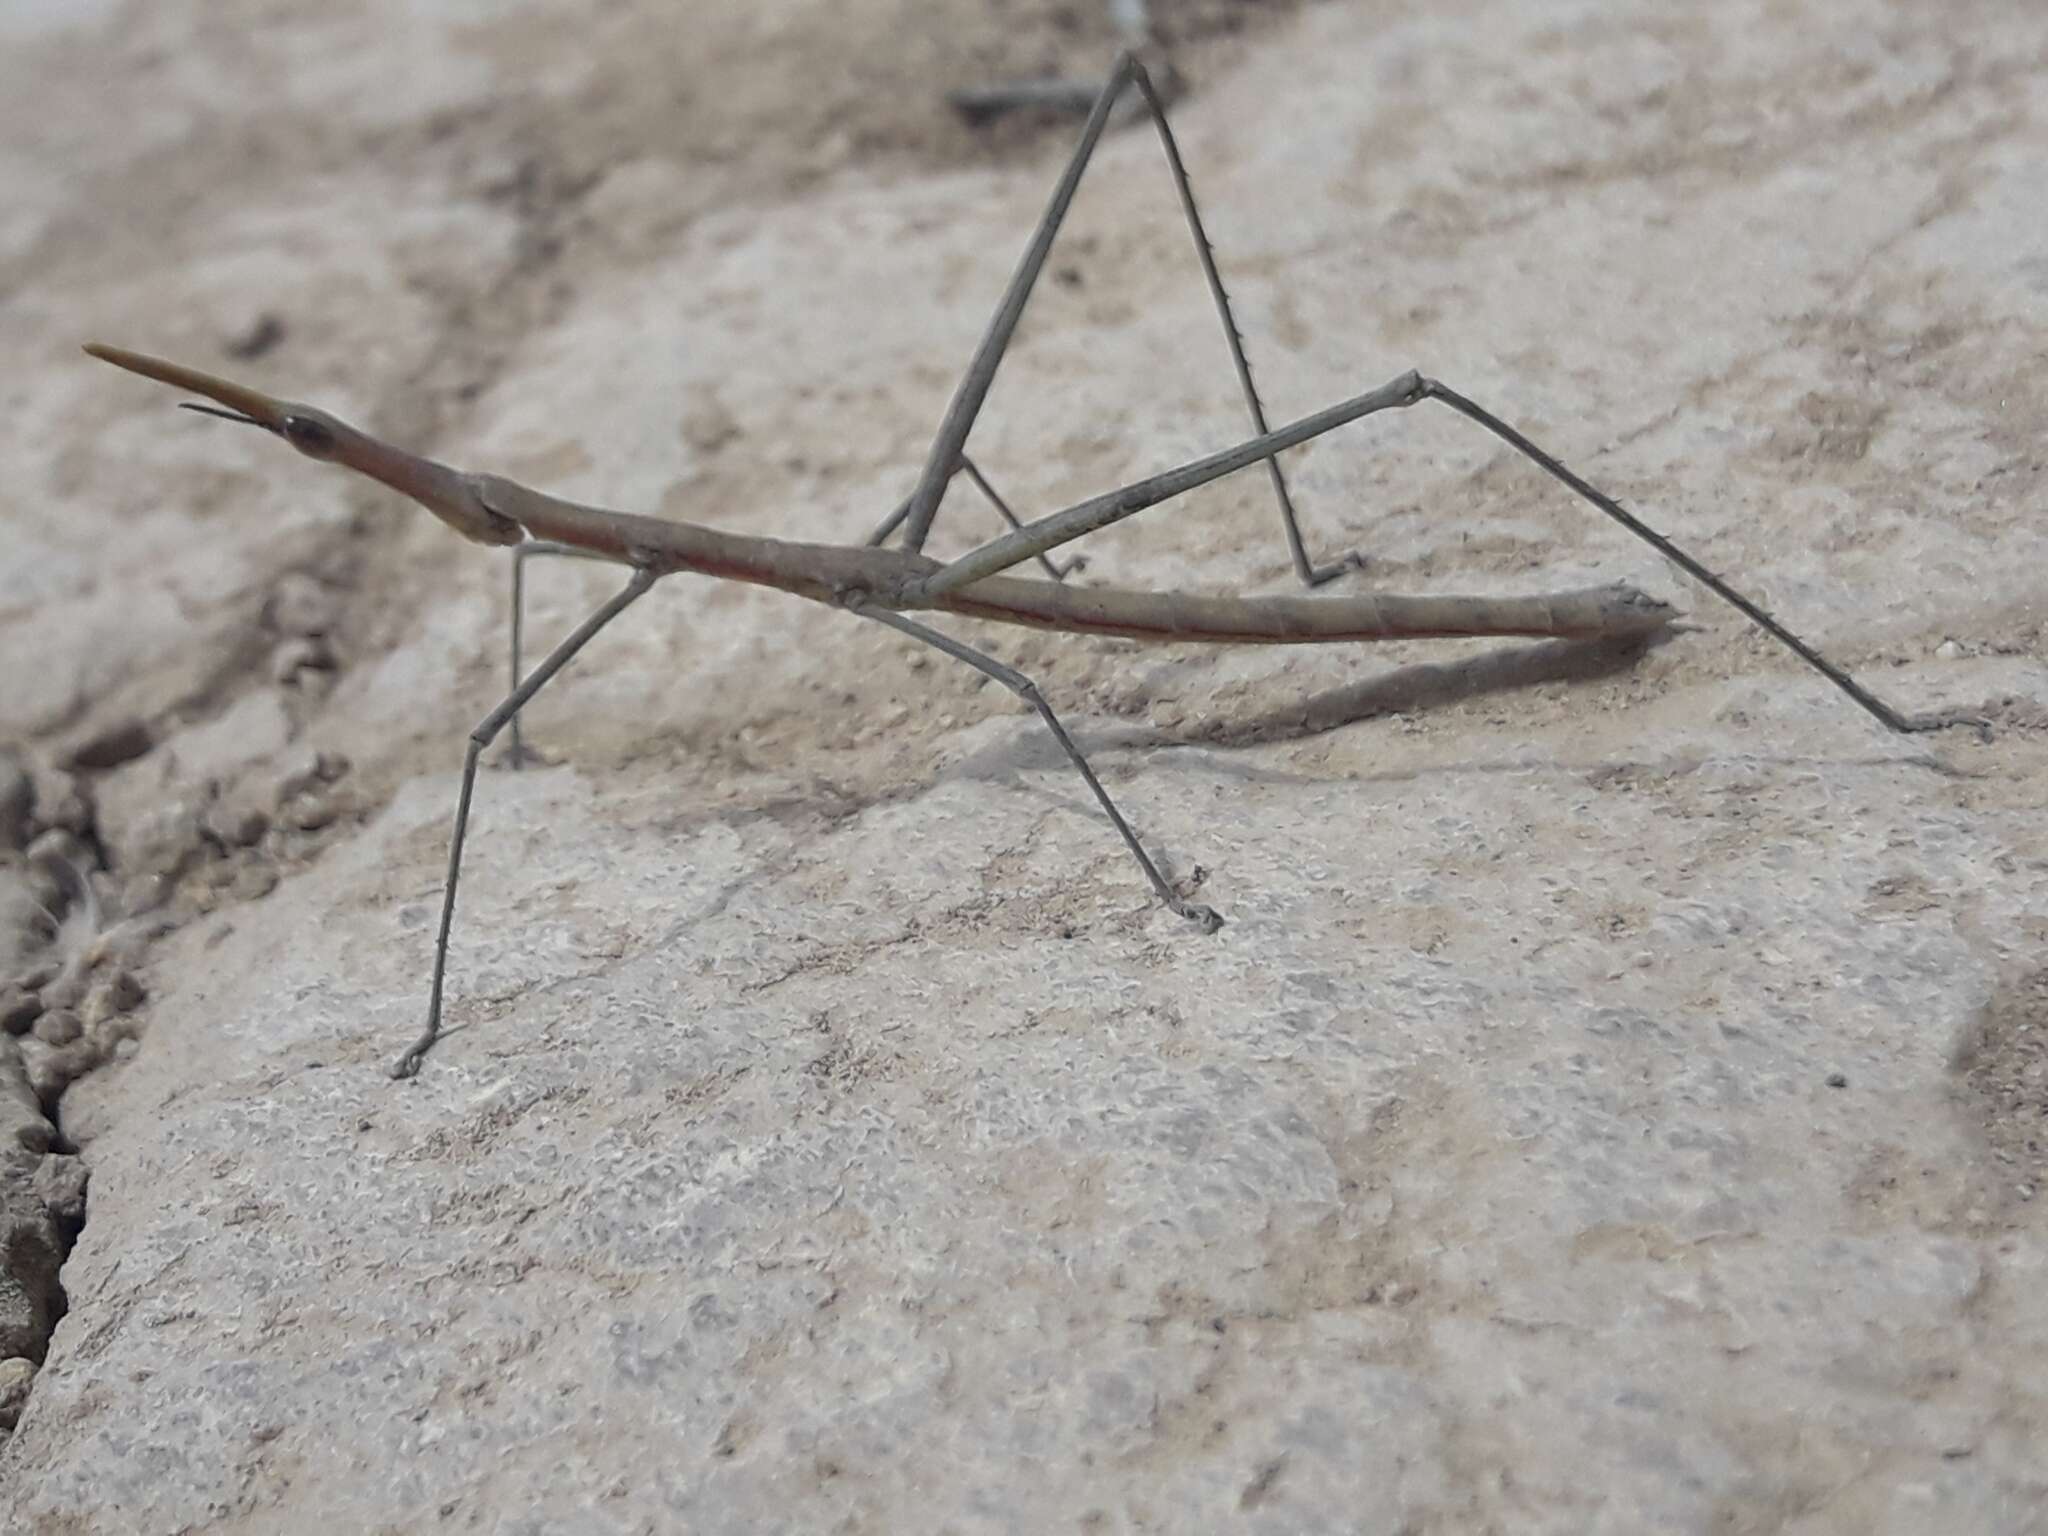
point(1316, 576)
point(1947, 719)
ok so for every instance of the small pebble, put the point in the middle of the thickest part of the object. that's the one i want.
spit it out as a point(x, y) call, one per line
point(60, 1183)
point(295, 781)
point(38, 976)
point(237, 826)
point(60, 1026)
point(1838, 1079)
point(145, 893)
point(105, 1034)
point(168, 839)
point(118, 741)
point(104, 1002)
point(34, 1135)
point(17, 1375)
point(297, 656)
point(321, 768)
point(310, 813)
point(19, 1008)
point(67, 989)
point(314, 684)
point(53, 1068)
point(255, 880)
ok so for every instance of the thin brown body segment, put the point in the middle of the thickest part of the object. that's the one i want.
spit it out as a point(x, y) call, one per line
point(893, 578)
point(1612, 611)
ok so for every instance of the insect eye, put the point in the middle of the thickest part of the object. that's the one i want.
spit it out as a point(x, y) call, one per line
point(308, 436)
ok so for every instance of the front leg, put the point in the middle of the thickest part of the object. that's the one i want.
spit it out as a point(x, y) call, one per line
point(486, 731)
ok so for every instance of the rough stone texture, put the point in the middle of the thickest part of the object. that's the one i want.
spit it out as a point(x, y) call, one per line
point(17, 803)
point(31, 1246)
point(17, 1375)
point(1614, 1104)
point(19, 1010)
point(60, 1183)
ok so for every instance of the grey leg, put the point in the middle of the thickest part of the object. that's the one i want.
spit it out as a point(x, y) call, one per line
point(515, 754)
point(981, 372)
point(1311, 575)
point(486, 731)
point(1890, 718)
point(1048, 533)
point(922, 506)
point(1056, 572)
point(1411, 388)
point(1207, 918)
point(895, 519)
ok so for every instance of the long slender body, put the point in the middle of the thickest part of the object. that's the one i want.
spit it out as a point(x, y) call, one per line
point(490, 509)
point(896, 579)
point(884, 585)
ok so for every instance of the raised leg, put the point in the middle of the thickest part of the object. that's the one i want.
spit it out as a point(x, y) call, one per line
point(515, 755)
point(480, 738)
point(1207, 918)
point(974, 385)
point(981, 371)
point(1048, 533)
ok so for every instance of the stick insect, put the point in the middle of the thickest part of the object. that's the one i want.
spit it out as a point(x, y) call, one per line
point(884, 584)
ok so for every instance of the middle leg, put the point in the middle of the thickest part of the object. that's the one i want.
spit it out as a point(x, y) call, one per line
point(1208, 919)
point(973, 472)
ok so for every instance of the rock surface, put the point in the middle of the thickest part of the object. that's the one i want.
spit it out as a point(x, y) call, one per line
point(31, 1242)
point(1616, 1100)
